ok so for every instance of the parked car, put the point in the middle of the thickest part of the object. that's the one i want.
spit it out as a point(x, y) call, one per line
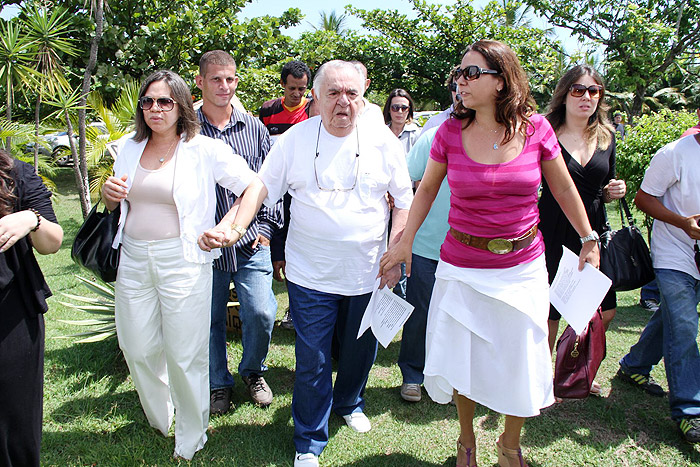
point(57, 145)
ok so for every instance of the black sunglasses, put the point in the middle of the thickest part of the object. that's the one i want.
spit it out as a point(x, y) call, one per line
point(578, 90)
point(697, 255)
point(398, 107)
point(473, 72)
point(165, 104)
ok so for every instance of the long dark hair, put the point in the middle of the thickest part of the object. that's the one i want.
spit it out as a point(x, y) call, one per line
point(187, 123)
point(7, 184)
point(599, 127)
point(387, 106)
point(514, 103)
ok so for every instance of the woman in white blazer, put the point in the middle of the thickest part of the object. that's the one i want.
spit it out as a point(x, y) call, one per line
point(164, 182)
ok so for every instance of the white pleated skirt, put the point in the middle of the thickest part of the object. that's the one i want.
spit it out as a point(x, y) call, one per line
point(487, 337)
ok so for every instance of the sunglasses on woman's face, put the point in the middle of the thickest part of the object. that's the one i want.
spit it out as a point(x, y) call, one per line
point(473, 72)
point(578, 90)
point(398, 107)
point(165, 104)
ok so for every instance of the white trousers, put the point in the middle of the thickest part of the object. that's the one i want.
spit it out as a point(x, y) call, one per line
point(163, 310)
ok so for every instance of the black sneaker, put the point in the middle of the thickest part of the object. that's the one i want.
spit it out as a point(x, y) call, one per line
point(644, 382)
point(690, 429)
point(258, 390)
point(287, 322)
point(219, 401)
point(649, 304)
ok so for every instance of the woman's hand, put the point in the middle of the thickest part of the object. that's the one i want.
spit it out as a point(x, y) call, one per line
point(218, 237)
point(589, 254)
point(389, 264)
point(114, 190)
point(616, 189)
point(14, 227)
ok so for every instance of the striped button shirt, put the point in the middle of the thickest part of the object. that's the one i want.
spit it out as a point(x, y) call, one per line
point(249, 138)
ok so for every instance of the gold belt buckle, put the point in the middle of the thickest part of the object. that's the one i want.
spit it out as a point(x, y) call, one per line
point(500, 246)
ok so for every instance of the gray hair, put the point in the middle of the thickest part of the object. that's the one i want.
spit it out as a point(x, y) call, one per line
point(320, 76)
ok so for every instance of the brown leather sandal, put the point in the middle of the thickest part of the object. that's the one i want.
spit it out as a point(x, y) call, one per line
point(506, 455)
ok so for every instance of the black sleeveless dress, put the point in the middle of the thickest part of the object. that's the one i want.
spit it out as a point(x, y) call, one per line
point(555, 227)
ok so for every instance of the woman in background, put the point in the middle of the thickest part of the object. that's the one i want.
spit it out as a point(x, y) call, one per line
point(398, 116)
point(578, 114)
point(27, 223)
point(486, 339)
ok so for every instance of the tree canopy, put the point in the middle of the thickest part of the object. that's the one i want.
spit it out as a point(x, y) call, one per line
point(642, 39)
point(417, 54)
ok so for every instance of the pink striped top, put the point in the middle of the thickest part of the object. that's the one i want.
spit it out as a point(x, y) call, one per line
point(493, 200)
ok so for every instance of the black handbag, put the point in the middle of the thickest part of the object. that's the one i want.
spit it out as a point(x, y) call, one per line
point(624, 254)
point(92, 247)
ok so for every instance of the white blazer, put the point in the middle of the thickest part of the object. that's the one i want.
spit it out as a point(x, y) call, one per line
point(200, 164)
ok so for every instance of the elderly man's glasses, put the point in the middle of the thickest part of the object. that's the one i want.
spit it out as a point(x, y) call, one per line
point(165, 104)
point(472, 72)
point(578, 90)
point(399, 108)
point(357, 164)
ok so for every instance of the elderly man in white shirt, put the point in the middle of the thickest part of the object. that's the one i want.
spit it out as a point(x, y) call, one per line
point(338, 169)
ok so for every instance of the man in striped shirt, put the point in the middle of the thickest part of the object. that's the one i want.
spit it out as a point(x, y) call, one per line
point(247, 263)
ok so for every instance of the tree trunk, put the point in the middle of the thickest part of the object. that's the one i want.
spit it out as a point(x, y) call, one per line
point(36, 133)
point(81, 181)
point(8, 113)
point(638, 100)
point(81, 165)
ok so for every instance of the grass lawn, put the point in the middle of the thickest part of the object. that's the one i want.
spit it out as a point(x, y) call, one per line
point(92, 414)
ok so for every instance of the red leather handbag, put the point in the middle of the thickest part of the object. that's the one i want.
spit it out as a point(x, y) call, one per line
point(578, 359)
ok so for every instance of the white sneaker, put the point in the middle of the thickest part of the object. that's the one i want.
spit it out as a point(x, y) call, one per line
point(305, 460)
point(358, 421)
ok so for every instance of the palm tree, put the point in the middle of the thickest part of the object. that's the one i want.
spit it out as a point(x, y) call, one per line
point(49, 31)
point(67, 103)
point(16, 55)
point(118, 120)
point(332, 22)
point(80, 163)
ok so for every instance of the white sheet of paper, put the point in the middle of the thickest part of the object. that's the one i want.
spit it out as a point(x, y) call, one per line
point(577, 294)
point(386, 313)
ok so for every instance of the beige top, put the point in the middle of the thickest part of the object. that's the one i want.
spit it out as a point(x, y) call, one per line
point(152, 210)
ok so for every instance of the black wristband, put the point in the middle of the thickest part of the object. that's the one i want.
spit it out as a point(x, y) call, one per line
point(38, 219)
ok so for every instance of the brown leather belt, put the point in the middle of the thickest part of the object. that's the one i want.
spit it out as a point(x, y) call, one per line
point(499, 246)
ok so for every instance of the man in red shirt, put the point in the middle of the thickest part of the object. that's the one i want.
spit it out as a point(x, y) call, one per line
point(280, 114)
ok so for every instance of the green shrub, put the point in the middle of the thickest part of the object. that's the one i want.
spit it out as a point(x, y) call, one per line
point(651, 133)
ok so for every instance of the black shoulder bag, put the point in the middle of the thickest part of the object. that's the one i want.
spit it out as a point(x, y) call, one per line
point(624, 255)
point(92, 247)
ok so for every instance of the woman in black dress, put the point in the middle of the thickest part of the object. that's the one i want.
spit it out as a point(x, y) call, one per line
point(26, 220)
point(578, 114)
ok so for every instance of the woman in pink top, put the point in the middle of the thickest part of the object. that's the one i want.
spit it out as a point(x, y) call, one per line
point(486, 339)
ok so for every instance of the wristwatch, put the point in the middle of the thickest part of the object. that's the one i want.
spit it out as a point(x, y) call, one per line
point(239, 228)
point(591, 236)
